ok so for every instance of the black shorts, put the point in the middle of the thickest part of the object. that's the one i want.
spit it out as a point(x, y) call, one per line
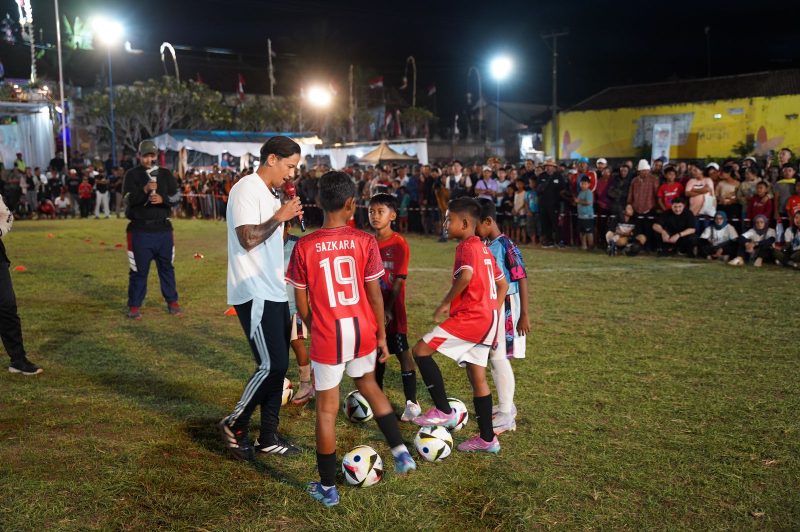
point(397, 343)
point(586, 225)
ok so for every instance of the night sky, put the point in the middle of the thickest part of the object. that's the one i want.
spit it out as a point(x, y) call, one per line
point(613, 42)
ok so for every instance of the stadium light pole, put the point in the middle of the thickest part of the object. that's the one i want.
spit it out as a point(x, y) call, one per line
point(500, 68)
point(64, 148)
point(109, 32)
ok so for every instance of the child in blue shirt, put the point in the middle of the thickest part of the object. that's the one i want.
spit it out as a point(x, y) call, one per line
point(532, 202)
point(585, 202)
point(514, 324)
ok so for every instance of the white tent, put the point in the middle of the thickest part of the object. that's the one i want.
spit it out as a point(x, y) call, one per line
point(339, 153)
point(32, 134)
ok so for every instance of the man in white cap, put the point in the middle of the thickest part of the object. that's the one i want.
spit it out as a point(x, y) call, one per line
point(642, 195)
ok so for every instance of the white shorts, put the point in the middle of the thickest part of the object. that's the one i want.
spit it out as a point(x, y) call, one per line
point(327, 376)
point(507, 332)
point(299, 329)
point(462, 351)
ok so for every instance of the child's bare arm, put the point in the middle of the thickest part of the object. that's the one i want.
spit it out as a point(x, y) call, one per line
point(396, 287)
point(460, 284)
point(303, 308)
point(523, 325)
point(375, 299)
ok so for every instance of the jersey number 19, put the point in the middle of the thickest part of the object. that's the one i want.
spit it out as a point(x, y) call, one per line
point(343, 271)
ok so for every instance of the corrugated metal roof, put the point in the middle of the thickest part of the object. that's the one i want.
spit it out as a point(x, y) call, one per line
point(770, 83)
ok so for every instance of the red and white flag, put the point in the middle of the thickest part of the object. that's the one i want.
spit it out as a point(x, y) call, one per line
point(431, 89)
point(376, 83)
point(387, 119)
point(240, 87)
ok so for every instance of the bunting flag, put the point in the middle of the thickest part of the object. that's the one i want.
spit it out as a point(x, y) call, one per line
point(376, 83)
point(240, 87)
point(431, 89)
point(387, 119)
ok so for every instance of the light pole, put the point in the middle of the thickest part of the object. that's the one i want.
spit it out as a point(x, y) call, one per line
point(109, 32)
point(64, 148)
point(480, 96)
point(500, 68)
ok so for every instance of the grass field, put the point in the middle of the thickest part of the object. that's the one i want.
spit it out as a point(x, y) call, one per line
point(657, 393)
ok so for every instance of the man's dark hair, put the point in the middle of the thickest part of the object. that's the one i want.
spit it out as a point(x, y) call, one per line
point(488, 209)
point(728, 169)
point(670, 169)
point(334, 189)
point(762, 182)
point(457, 161)
point(466, 207)
point(384, 199)
point(280, 146)
point(679, 200)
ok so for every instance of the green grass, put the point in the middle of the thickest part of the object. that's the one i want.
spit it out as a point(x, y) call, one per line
point(657, 393)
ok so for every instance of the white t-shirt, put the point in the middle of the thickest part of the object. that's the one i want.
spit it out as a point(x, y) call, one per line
point(62, 203)
point(717, 237)
point(258, 273)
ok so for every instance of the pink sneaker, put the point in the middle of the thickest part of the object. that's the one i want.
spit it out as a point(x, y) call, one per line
point(434, 416)
point(476, 443)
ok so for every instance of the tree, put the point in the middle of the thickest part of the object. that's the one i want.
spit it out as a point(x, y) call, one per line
point(416, 121)
point(261, 113)
point(148, 108)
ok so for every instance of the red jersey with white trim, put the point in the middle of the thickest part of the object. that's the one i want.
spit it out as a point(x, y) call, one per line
point(473, 312)
point(395, 255)
point(334, 265)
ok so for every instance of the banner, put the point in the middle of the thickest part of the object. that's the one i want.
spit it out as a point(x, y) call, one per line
point(662, 140)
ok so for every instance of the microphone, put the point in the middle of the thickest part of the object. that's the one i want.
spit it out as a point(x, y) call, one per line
point(290, 191)
point(152, 173)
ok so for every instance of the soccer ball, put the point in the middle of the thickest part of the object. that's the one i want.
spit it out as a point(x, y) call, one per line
point(356, 408)
point(461, 409)
point(433, 443)
point(288, 392)
point(362, 466)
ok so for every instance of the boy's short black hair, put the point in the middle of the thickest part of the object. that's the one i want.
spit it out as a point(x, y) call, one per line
point(585, 179)
point(334, 190)
point(280, 146)
point(679, 200)
point(669, 169)
point(466, 207)
point(384, 199)
point(762, 182)
point(488, 209)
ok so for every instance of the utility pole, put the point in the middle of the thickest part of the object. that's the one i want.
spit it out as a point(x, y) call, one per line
point(270, 53)
point(708, 50)
point(554, 121)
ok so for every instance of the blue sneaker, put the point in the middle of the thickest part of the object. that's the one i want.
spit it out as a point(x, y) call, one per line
point(404, 463)
point(329, 497)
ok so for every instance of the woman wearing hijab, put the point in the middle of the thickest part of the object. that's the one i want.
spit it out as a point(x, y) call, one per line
point(719, 240)
point(755, 245)
point(789, 254)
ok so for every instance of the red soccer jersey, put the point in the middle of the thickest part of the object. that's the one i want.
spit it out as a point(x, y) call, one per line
point(334, 265)
point(669, 191)
point(792, 205)
point(395, 256)
point(473, 312)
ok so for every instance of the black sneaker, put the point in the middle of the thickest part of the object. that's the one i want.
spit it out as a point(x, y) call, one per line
point(24, 367)
point(236, 442)
point(276, 444)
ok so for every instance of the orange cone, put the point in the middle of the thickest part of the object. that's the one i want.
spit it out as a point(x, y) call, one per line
point(230, 312)
point(117, 245)
point(49, 235)
point(198, 256)
point(22, 268)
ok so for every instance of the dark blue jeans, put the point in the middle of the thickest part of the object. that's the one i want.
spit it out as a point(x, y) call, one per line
point(142, 249)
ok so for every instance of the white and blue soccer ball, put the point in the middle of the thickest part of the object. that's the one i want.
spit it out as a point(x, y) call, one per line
point(288, 392)
point(434, 443)
point(356, 408)
point(362, 467)
point(461, 410)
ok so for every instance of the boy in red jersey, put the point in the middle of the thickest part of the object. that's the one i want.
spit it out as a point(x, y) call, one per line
point(335, 271)
point(395, 256)
point(474, 301)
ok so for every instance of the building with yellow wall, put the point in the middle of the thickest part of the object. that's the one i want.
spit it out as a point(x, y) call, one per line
point(707, 116)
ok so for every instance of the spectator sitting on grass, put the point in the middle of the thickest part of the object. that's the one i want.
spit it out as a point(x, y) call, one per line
point(676, 230)
point(63, 204)
point(622, 237)
point(755, 245)
point(719, 240)
point(789, 253)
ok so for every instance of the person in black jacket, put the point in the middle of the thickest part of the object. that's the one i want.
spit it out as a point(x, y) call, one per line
point(552, 190)
point(150, 193)
point(10, 325)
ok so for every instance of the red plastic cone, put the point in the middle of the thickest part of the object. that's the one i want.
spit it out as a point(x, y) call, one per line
point(22, 268)
point(230, 312)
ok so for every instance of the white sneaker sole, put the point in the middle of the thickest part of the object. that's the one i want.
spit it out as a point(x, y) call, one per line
point(20, 372)
point(505, 428)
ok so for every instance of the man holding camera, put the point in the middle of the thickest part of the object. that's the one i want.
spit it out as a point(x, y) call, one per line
point(149, 194)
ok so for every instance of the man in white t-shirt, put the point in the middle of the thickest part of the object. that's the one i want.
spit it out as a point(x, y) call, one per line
point(255, 218)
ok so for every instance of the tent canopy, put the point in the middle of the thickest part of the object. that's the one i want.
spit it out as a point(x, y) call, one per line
point(383, 153)
point(31, 133)
point(237, 143)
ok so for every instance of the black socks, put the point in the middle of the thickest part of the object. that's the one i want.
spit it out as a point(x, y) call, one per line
point(380, 369)
point(410, 385)
point(390, 429)
point(326, 465)
point(483, 413)
point(432, 377)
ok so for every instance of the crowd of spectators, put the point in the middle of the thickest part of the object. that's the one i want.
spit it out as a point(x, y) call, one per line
point(744, 212)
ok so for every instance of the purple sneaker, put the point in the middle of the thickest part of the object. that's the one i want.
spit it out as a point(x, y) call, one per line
point(434, 416)
point(476, 443)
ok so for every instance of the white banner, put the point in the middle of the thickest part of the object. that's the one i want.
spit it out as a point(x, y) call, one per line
point(662, 140)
